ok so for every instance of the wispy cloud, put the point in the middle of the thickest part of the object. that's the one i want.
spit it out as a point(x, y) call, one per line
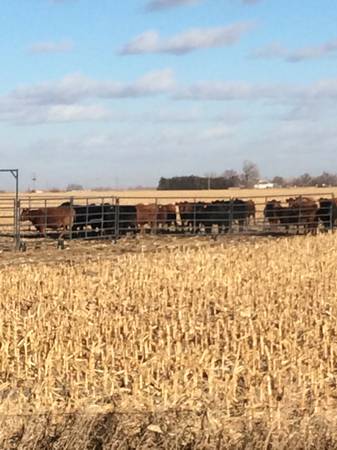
point(51, 47)
point(62, 1)
point(323, 90)
point(77, 87)
point(277, 51)
point(24, 114)
point(188, 41)
point(69, 99)
point(158, 5)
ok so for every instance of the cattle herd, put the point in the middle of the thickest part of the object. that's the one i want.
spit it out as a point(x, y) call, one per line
point(222, 216)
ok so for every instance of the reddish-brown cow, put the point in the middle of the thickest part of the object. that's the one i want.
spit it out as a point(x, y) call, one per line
point(251, 210)
point(52, 217)
point(155, 215)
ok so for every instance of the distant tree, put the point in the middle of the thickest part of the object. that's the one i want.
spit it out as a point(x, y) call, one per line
point(279, 181)
point(74, 187)
point(325, 179)
point(164, 184)
point(210, 176)
point(250, 174)
point(304, 180)
point(232, 178)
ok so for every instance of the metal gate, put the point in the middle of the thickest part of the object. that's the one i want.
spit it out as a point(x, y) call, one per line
point(109, 217)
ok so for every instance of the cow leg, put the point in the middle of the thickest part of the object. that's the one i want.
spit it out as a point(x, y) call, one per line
point(63, 232)
point(42, 230)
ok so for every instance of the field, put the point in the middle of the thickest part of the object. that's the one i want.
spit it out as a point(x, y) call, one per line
point(148, 195)
point(185, 343)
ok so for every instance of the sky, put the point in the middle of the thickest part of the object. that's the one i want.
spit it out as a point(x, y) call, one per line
point(120, 93)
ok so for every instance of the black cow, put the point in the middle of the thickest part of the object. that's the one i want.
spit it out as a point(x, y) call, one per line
point(215, 213)
point(240, 211)
point(327, 212)
point(220, 212)
point(102, 218)
point(276, 214)
point(98, 217)
point(127, 218)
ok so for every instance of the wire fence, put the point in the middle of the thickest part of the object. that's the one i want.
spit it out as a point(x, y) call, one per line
point(113, 217)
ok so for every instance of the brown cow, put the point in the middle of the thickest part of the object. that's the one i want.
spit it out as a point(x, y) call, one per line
point(251, 211)
point(155, 215)
point(51, 217)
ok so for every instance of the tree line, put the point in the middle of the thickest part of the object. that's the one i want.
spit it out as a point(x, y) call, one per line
point(230, 178)
point(249, 176)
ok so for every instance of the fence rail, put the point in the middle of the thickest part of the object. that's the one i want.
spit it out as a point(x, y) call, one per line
point(103, 217)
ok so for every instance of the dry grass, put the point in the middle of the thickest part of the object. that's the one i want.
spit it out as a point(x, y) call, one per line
point(148, 196)
point(232, 346)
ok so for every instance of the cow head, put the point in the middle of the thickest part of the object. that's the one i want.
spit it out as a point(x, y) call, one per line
point(25, 214)
point(291, 201)
point(271, 208)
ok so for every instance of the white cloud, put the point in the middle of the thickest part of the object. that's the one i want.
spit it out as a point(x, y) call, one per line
point(62, 1)
point(75, 88)
point(243, 91)
point(66, 100)
point(277, 51)
point(70, 99)
point(155, 5)
point(24, 114)
point(51, 47)
point(188, 41)
point(158, 5)
point(216, 133)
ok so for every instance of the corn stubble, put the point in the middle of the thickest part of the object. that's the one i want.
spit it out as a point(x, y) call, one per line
point(231, 346)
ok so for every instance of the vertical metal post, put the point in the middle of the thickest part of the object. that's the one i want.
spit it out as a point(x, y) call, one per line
point(45, 217)
point(102, 217)
point(264, 219)
point(231, 206)
point(331, 211)
point(15, 174)
point(16, 205)
point(194, 216)
point(71, 206)
point(156, 216)
point(86, 218)
point(117, 215)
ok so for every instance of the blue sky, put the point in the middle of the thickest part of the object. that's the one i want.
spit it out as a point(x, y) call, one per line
point(104, 93)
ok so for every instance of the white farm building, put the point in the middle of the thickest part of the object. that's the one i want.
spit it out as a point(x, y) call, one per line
point(264, 184)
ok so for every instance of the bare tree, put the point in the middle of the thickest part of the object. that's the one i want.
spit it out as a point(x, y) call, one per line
point(250, 174)
point(279, 181)
point(74, 187)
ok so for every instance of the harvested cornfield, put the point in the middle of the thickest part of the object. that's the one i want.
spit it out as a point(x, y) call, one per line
point(232, 345)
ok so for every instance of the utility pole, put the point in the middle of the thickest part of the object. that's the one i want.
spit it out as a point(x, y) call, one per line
point(34, 182)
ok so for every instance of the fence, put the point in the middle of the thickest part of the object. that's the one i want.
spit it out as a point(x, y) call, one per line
point(111, 217)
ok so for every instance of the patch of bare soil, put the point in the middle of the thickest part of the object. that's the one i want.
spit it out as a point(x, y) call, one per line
point(48, 251)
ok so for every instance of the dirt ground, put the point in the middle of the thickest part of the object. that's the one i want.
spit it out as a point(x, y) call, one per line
point(47, 251)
